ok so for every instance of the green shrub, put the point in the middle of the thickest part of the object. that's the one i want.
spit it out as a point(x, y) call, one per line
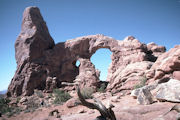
point(142, 83)
point(18, 99)
point(50, 95)
point(39, 94)
point(27, 111)
point(60, 96)
point(4, 108)
point(14, 110)
point(102, 88)
point(87, 92)
point(33, 103)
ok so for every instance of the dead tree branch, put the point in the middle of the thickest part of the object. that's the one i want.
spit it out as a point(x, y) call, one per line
point(106, 113)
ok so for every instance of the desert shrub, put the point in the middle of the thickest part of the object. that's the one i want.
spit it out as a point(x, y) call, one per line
point(102, 88)
point(27, 111)
point(87, 92)
point(39, 94)
point(60, 96)
point(13, 111)
point(4, 107)
point(50, 95)
point(142, 82)
point(33, 103)
point(18, 99)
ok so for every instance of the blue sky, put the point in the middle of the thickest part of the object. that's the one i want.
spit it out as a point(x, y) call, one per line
point(147, 20)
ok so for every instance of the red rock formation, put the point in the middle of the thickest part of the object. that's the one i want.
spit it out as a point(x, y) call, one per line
point(39, 59)
point(167, 63)
point(155, 49)
point(30, 47)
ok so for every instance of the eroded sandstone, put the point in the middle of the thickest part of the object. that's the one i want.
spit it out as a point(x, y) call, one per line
point(39, 58)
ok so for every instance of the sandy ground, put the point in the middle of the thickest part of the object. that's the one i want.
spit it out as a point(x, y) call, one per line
point(125, 109)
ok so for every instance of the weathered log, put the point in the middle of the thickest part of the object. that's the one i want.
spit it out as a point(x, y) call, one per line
point(106, 113)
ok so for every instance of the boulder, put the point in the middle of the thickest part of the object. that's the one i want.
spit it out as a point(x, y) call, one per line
point(143, 94)
point(169, 91)
point(23, 100)
point(145, 97)
point(72, 102)
point(55, 113)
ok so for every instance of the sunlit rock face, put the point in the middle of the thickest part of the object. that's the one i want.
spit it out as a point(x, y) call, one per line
point(167, 66)
point(39, 58)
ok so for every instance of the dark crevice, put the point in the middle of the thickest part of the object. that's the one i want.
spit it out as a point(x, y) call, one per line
point(150, 56)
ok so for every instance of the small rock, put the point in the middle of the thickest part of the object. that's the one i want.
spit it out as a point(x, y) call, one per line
point(135, 93)
point(72, 103)
point(55, 113)
point(25, 107)
point(23, 100)
point(47, 97)
point(114, 99)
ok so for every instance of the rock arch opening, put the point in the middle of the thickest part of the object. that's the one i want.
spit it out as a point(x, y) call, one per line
point(77, 63)
point(102, 59)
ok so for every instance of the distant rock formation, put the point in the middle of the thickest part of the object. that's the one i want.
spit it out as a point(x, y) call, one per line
point(39, 58)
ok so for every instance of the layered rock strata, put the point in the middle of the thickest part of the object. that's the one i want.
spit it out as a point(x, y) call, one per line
point(39, 59)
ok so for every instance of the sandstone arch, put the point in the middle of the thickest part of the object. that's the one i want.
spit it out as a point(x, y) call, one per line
point(38, 58)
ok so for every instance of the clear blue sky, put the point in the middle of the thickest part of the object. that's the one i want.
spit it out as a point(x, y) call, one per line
point(147, 20)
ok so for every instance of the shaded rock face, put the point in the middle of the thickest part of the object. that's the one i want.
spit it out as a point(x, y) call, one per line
point(155, 50)
point(88, 75)
point(39, 59)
